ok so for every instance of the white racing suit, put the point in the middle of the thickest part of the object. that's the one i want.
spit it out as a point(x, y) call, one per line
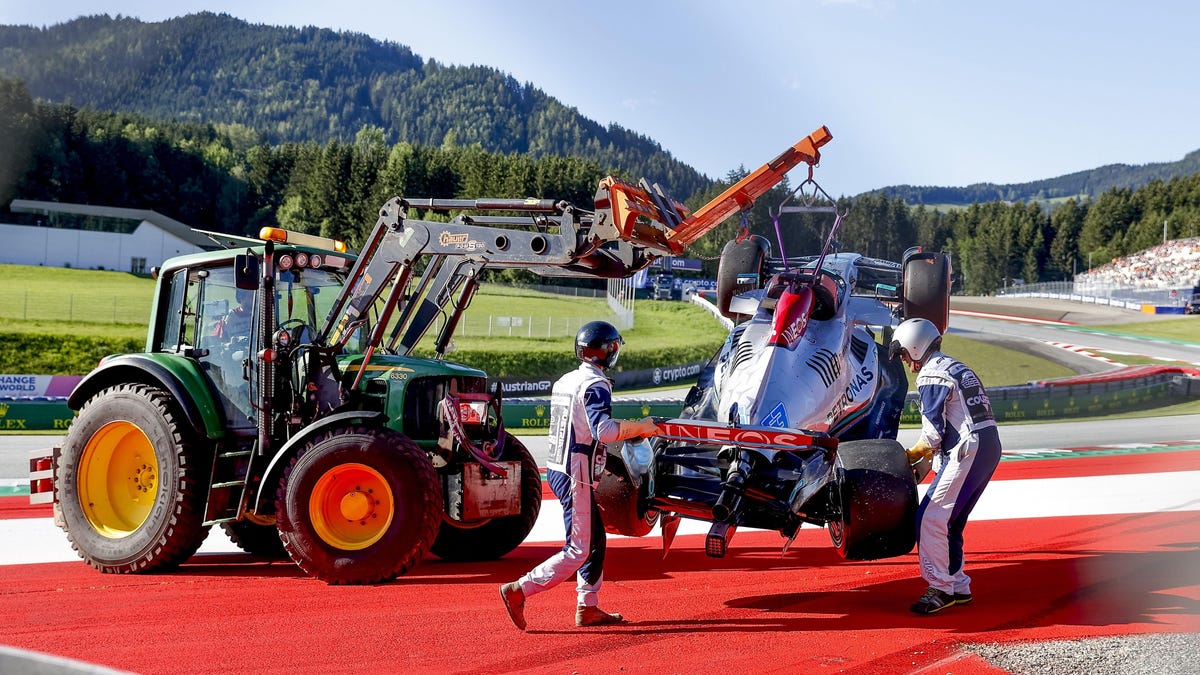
point(957, 422)
point(580, 425)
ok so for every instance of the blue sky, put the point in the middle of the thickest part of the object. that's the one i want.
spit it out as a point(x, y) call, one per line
point(923, 92)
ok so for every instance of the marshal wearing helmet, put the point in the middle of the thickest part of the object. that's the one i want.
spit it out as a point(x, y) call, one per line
point(581, 426)
point(959, 429)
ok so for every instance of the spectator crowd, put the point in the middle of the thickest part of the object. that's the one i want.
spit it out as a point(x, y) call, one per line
point(1172, 264)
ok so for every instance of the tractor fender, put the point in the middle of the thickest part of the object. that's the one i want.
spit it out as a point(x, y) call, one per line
point(177, 375)
point(274, 471)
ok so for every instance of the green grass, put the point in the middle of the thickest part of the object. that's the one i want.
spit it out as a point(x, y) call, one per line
point(1000, 367)
point(75, 296)
point(1185, 329)
point(1136, 360)
point(541, 327)
point(127, 331)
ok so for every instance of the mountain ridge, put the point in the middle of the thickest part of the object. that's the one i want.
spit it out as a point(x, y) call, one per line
point(316, 84)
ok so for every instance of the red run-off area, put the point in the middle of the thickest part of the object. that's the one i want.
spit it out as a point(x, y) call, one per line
point(808, 611)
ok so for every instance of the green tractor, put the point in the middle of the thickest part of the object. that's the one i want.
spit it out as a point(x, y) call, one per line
point(258, 406)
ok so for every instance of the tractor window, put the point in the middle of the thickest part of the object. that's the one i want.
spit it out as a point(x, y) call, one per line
point(176, 286)
point(226, 338)
point(179, 323)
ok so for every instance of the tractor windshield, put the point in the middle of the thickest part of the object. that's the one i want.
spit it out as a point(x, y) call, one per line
point(305, 298)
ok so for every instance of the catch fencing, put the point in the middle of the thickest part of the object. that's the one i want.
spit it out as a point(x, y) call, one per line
point(1127, 297)
point(82, 306)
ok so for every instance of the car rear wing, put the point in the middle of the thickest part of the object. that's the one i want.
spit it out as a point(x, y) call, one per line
point(753, 437)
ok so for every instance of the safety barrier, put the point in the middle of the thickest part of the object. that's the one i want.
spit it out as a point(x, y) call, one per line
point(1126, 389)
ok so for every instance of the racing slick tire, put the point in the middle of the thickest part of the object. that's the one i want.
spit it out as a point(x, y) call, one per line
point(875, 500)
point(256, 538)
point(131, 482)
point(740, 260)
point(927, 288)
point(492, 538)
point(359, 505)
point(624, 507)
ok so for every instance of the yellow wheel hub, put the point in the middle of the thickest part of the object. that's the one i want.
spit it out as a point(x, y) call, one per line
point(118, 479)
point(351, 506)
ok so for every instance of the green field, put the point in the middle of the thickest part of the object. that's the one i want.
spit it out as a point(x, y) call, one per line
point(62, 321)
point(1185, 329)
point(41, 294)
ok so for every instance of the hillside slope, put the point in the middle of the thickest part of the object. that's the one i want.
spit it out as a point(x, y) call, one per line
point(312, 84)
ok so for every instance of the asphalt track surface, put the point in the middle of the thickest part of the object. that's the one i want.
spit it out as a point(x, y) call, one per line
point(1035, 579)
point(1069, 542)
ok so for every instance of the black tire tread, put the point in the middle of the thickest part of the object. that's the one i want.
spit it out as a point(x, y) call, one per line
point(621, 504)
point(927, 288)
point(739, 257)
point(260, 540)
point(876, 469)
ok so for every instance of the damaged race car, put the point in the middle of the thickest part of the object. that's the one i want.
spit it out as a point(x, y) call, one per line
point(794, 420)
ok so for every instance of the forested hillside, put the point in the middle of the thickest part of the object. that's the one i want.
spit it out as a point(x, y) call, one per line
point(285, 84)
point(1080, 185)
point(221, 178)
point(313, 84)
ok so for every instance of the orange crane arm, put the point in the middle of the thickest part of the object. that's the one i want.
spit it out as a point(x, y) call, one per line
point(644, 214)
point(743, 193)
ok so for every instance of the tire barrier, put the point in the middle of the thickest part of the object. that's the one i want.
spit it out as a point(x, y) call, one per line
point(1125, 389)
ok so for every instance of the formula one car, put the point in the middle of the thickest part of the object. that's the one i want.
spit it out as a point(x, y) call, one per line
point(794, 420)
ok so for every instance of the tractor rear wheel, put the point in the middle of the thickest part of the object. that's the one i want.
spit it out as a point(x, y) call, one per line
point(875, 500)
point(491, 538)
point(359, 505)
point(131, 482)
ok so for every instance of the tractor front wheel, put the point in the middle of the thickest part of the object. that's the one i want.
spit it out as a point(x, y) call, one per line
point(359, 505)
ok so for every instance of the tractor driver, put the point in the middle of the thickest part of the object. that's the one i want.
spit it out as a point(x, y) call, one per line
point(957, 425)
point(581, 424)
point(237, 321)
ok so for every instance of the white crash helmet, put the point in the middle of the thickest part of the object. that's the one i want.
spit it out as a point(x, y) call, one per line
point(917, 339)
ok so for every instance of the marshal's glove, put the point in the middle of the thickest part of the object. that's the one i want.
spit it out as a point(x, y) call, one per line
point(920, 458)
point(638, 429)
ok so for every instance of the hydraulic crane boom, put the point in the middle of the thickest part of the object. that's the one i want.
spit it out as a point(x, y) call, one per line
point(646, 216)
point(629, 228)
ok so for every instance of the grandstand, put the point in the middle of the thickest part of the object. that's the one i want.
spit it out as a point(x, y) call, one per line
point(1171, 264)
point(1159, 279)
